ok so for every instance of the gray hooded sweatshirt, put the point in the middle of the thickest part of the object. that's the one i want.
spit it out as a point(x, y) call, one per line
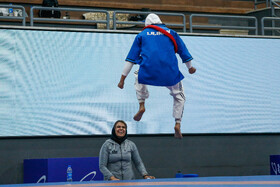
point(116, 160)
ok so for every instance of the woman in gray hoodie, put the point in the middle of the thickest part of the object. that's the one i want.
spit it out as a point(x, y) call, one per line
point(117, 154)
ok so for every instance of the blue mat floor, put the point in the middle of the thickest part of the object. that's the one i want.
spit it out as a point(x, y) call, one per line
point(243, 181)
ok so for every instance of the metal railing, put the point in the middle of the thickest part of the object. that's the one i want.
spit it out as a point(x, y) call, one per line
point(257, 2)
point(115, 21)
point(274, 3)
point(32, 18)
point(15, 17)
point(273, 28)
point(223, 26)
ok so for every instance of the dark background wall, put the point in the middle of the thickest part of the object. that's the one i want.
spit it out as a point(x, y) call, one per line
point(163, 155)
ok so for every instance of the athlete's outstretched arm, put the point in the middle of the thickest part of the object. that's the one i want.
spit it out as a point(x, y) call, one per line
point(127, 68)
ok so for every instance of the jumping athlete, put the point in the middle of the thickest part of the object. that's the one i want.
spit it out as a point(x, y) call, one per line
point(154, 50)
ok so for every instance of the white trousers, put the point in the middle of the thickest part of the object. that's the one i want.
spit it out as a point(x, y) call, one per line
point(176, 91)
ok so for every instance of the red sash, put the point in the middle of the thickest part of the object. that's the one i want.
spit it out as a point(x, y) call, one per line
point(165, 33)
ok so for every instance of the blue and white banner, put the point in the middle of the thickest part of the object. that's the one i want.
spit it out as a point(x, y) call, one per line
point(55, 169)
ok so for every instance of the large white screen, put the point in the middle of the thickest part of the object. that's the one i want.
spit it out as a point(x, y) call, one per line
point(65, 83)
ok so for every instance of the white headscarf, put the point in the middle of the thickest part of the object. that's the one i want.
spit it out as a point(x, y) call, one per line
point(152, 19)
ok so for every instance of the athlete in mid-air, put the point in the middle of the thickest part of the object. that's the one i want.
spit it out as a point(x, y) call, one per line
point(154, 50)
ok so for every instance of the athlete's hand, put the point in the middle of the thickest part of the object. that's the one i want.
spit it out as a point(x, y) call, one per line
point(192, 70)
point(121, 84)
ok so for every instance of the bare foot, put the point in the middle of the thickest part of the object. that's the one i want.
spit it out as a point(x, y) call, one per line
point(177, 129)
point(140, 113)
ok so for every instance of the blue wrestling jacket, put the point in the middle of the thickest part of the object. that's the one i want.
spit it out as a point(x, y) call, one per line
point(154, 52)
